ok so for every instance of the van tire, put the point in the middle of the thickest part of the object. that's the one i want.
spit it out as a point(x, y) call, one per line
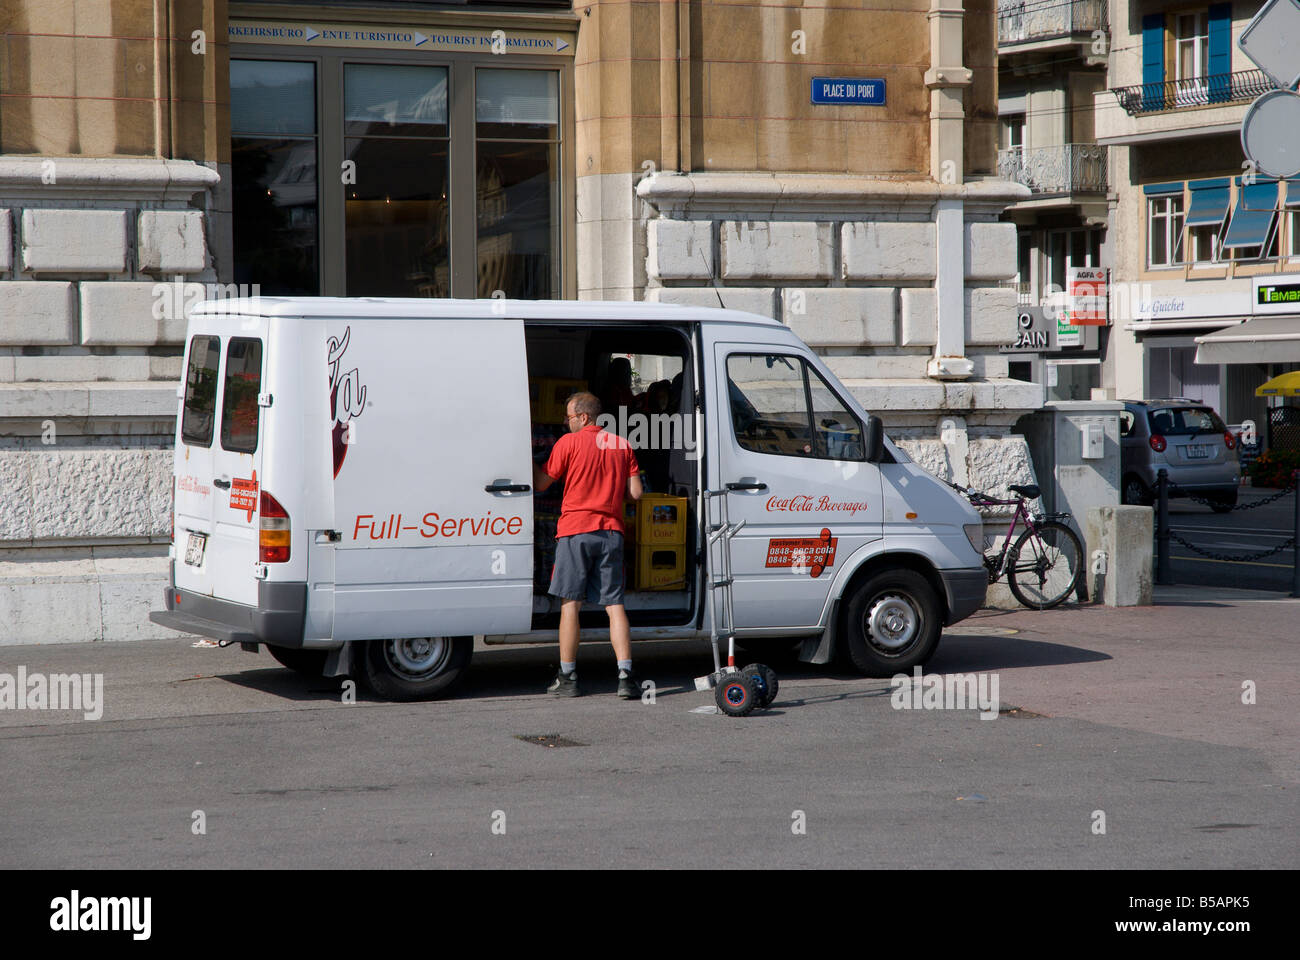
point(909, 619)
point(416, 669)
point(310, 663)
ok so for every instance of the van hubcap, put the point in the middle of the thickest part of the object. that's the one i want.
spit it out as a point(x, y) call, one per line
point(418, 657)
point(892, 623)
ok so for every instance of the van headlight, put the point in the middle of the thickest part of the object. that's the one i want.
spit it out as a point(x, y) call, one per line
point(975, 534)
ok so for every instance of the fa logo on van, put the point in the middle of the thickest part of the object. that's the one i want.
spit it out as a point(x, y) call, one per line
point(347, 396)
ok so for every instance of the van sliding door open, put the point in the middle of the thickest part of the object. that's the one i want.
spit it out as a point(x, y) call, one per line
point(432, 478)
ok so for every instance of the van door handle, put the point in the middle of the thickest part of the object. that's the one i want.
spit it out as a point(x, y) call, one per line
point(747, 486)
point(328, 536)
point(507, 488)
point(223, 484)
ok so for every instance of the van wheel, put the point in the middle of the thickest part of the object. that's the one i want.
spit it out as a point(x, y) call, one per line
point(308, 662)
point(422, 668)
point(892, 623)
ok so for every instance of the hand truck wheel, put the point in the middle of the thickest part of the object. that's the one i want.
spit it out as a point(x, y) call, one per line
point(765, 682)
point(736, 694)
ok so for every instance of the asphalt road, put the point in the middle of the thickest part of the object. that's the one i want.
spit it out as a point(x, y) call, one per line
point(1134, 716)
point(1237, 533)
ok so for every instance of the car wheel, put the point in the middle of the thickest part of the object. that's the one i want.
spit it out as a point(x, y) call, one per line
point(892, 623)
point(1135, 492)
point(420, 668)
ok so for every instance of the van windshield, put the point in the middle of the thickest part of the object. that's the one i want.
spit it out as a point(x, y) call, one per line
point(1176, 421)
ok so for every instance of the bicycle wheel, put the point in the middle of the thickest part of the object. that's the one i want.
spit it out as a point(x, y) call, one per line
point(1045, 565)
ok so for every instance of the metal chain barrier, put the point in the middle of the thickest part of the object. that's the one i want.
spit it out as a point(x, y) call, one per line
point(1288, 489)
point(1231, 558)
point(1165, 533)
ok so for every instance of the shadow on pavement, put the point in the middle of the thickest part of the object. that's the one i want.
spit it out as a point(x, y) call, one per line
point(958, 654)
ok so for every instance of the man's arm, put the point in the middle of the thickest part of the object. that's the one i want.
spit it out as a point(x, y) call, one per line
point(634, 487)
point(542, 479)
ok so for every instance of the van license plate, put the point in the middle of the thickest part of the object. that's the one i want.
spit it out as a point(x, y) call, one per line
point(194, 549)
point(1197, 451)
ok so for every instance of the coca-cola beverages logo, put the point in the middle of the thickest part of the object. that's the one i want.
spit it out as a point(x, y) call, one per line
point(347, 397)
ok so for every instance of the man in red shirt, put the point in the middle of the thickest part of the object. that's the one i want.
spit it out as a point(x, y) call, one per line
point(598, 469)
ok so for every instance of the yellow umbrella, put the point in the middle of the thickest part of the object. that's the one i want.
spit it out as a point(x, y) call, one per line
point(1286, 385)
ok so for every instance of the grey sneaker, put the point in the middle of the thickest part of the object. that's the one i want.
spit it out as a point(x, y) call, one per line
point(564, 686)
point(628, 688)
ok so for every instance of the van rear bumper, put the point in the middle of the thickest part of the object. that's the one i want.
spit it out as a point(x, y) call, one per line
point(278, 617)
point(966, 590)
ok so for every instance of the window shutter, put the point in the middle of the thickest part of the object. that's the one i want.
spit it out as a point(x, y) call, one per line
point(1220, 52)
point(1153, 61)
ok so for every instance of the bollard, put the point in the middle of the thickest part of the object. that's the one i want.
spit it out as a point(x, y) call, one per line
point(1295, 548)
point(1163, 575)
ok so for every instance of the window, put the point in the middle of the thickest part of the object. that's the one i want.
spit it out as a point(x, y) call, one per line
point(1250, 234)
point(780, 405)
point(1182, 421)
point(517, 114)
point(200, 391)
point(239, 409)
point(1209, 206)
point(1126, 421)
point(273, 176)
point(1165, 230)
point(397, 225)
point(367, 173)
point(1013, 131)
point(1192, 48)
point(1066, 249)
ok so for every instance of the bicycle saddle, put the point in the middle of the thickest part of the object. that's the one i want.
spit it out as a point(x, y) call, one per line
point(1029, 491)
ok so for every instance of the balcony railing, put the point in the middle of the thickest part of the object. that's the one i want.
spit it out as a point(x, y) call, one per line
point(1063, 169)
point(1023, 21)
point(1176, 94)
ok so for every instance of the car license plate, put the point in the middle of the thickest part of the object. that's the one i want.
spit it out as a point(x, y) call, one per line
point(1197, 451)
point(194, 549)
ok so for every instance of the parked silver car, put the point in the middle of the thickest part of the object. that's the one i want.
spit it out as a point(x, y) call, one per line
point(1186, 438)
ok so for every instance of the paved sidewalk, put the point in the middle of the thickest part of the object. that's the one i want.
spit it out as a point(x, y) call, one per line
point(1175, 668)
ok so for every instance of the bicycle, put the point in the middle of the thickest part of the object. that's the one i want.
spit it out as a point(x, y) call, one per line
point(1045, 563)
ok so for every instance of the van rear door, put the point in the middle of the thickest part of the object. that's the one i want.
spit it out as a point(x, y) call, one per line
point(432, 478)
point(218, 463)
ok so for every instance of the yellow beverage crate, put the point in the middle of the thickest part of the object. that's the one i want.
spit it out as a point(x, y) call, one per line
point(660, 567)
point(660, 519)
point(547, 397)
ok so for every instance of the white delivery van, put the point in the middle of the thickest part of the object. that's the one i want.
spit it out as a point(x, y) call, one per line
point(353, 486)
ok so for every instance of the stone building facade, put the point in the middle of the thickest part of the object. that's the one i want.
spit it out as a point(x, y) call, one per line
point(669, 151)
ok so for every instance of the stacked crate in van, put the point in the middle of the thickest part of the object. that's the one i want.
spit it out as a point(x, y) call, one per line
point(657, 541)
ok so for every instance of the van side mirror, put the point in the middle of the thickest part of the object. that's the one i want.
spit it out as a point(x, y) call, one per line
point(875, 440)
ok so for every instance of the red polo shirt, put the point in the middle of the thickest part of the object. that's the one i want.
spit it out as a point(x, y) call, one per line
point(594, 465)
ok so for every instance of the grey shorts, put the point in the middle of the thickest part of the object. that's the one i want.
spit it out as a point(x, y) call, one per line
point(589, 566)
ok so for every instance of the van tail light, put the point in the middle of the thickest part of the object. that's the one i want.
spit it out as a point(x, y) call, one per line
point(1157, 443)
point(273, 535)
point(1229, 440)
